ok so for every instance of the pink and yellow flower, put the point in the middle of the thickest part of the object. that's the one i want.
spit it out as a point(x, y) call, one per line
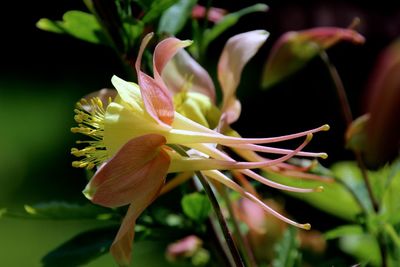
point(134, 136)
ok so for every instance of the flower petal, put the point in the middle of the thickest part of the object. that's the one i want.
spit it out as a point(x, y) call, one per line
point(294, 49)
point(164, 51)
point(139, 166)
point(237, 52)
point(182, 70)
point(214, 14)
point(156, 97)
point(146, 188)
point(383, 104)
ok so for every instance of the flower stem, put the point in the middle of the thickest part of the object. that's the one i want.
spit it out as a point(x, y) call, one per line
point(341, 92)
point(217, 209)
point(221, 219)
point(344, 103)
point(248, 256)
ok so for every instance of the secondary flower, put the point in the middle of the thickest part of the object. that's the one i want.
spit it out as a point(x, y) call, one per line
point(134, 136)
point(214, 14)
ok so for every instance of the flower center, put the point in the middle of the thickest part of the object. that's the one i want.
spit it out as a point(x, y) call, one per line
point(90, 114)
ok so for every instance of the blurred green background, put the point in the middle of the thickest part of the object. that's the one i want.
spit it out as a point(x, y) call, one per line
point(43, 75)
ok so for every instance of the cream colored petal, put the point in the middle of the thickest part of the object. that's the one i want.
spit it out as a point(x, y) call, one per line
point(237, 52)
point(183, 70)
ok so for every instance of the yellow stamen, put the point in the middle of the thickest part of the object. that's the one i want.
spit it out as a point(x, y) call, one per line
point(89, 115)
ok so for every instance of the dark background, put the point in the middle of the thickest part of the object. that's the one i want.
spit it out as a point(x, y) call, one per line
point(43, 74)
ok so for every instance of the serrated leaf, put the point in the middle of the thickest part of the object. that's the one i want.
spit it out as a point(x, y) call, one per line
point(196, 206)
point(286, 251)
point(294, 49)
point(81, 249)
point(78, 24)
point(156, 9)
point(228, 21)
point(343, 231)
point(174, 18)
point(68, 211)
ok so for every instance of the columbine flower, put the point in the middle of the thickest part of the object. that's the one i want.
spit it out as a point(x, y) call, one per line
point(134, 136)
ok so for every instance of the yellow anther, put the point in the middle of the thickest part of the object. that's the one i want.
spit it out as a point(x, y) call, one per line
point(319, 189)
point(323, 155)
point(79, 164)
point(325, 127)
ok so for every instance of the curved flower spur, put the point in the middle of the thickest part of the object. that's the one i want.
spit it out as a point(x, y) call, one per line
point(134, 136)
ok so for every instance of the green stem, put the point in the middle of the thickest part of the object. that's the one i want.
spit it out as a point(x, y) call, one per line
point(341, 92)
point(224, 227)
point(217, 209)
point(203, 30)
point(248, 256)
point(344, 103)
point(392, 234)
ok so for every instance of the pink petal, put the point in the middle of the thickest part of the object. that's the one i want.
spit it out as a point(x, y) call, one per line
point(146, 191)
point(383, 100)
point(121, 249)
point(139, 166)
point(294, 49)
point(184, 248)
point(214, 14)
point(237, 52)
point(156, 97)
point(164, 51)
point(252, 214)
point(183, 69)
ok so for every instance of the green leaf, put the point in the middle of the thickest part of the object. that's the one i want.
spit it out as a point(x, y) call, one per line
point(286, 251)
point(78, 24)
point(295, 49)
point(343, 231)
point(50, 26)
point(335, 198)
point(167, 217)
point(228, 21)
point(68, 211)
point(133, 30)
point(156, 9)
point(391, 197)
point(350, 174)
point(174, 18)
point(196, 206)
point(364, 247)
point(81, 249)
